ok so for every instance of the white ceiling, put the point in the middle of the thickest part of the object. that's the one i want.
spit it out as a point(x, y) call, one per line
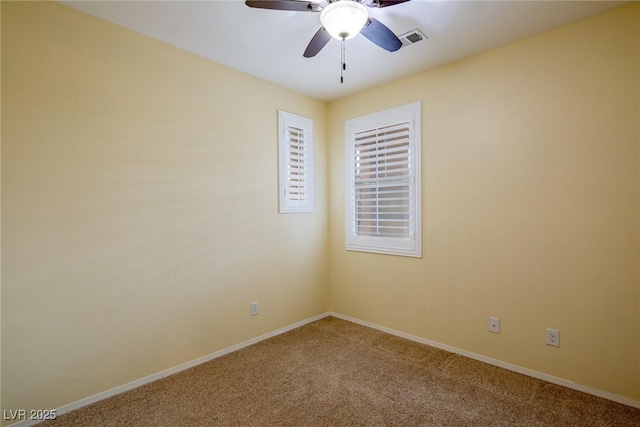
point(269, 44)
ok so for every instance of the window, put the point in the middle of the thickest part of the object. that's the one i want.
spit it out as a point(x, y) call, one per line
point(383, 182)
point(296, 163)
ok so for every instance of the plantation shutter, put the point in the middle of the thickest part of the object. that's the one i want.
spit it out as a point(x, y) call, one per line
point(296, 164)
point(296, 188)
point(383, 182)
point(382, 179)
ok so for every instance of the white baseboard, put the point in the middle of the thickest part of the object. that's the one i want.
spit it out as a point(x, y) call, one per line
point(529, 372)
point(154, 377)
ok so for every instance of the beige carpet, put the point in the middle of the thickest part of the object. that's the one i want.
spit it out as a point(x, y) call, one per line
point(336, 373)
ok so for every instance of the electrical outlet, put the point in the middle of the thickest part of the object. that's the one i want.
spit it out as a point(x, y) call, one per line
point(494, 325)
point(254, 308)
point(553, 337)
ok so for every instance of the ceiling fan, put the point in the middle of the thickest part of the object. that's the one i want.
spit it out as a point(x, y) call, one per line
point(341, 20)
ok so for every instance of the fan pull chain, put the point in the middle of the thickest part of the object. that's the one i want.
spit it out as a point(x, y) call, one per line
point(343, 65)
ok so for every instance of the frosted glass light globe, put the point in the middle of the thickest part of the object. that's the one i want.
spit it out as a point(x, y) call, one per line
point(344, 19)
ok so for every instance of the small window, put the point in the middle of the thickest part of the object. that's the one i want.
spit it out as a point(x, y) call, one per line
point(383, 182)
point(296, 163)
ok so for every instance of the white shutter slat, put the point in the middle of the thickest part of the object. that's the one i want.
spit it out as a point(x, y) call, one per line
point(368, 149)
point(387, 131)
point(381, 162)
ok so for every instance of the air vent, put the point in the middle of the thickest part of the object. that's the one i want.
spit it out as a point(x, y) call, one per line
point(412, 37)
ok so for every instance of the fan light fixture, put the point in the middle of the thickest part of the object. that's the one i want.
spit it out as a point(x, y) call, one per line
point(344, 19)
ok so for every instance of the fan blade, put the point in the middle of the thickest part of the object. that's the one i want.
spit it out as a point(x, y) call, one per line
point(316, 44)
point(384, 3)
point(295, 5)
point(379, 34)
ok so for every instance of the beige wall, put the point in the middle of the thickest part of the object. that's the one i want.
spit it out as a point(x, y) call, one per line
point(139, 208)
point(531, 206)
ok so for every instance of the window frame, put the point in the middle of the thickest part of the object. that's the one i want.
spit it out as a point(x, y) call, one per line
point(412, 246)
point(286, 203)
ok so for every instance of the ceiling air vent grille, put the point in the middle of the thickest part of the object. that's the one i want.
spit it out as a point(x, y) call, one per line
point(412, 37)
